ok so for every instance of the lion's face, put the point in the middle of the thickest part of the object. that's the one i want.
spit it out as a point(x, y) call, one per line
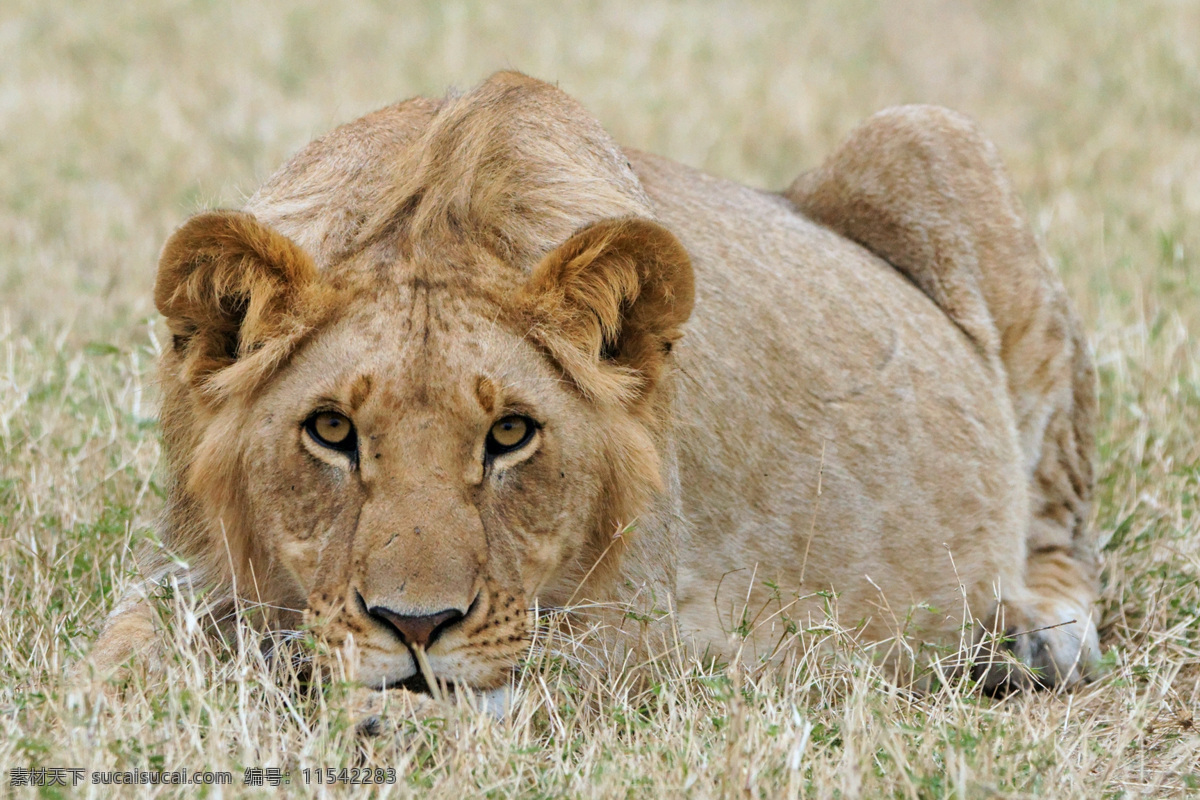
point(412, 455)
point(422, 478)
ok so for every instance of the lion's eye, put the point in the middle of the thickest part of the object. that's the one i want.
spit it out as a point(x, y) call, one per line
point(509, 434)
point(333, 430)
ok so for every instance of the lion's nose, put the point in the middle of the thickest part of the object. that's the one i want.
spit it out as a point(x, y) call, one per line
point(422, 630)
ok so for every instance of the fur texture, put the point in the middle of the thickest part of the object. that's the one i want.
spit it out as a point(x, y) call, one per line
point(866, 397)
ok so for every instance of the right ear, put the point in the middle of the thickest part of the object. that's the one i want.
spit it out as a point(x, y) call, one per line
point(609, 304)
point(228, 285)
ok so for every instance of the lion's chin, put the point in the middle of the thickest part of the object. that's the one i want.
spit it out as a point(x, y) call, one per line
point(496, 702)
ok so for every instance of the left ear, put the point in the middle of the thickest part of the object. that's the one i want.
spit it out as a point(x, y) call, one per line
point(609, 303)
point(229, 287)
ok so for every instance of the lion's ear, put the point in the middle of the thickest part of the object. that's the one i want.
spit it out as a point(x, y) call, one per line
point(228, 284)
point(609, 303)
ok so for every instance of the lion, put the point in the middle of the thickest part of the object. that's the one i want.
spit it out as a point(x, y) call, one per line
point(467, 358)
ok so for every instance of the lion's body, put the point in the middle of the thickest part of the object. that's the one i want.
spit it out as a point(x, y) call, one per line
point(884, 414)
point(808, 362)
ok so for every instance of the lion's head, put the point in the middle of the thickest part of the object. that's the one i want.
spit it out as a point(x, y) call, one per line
point(408, 441)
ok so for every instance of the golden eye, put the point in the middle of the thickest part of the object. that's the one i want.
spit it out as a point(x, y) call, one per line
point(333, 430)
point(509, 434)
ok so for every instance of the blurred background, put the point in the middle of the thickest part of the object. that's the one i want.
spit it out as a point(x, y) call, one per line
point(117, 120)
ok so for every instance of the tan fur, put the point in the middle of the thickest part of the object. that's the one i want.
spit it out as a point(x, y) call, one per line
point(866, 396)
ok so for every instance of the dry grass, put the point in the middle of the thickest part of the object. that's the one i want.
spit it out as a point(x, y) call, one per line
point(119, 119)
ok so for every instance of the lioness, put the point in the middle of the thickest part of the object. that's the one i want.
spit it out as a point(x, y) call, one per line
point(464, 358)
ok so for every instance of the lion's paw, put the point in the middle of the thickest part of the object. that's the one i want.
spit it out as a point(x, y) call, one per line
point(1054, 644)
point(374, 712)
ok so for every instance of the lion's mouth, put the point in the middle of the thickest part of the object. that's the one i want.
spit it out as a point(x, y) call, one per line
point(496, 702)
point(417, 684)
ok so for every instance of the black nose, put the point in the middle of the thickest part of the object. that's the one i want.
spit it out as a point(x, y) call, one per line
point(421, 630)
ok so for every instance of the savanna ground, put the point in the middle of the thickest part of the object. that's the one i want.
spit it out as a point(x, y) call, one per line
point(117, 120)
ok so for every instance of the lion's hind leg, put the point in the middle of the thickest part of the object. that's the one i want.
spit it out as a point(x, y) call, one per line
point(923, 189)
